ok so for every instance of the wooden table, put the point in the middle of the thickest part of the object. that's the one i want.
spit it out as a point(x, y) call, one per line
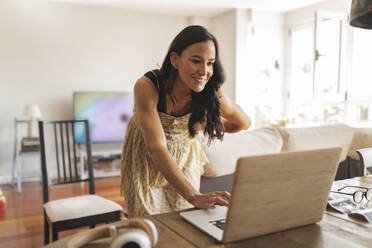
point(334, 230)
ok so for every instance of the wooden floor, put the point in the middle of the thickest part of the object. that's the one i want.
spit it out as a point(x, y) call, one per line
point(21, 222)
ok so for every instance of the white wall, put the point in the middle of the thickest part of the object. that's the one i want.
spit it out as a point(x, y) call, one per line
point(242, 61)
point(301, 16)
point(223, 28)
point(49, 50)
point(197, 20)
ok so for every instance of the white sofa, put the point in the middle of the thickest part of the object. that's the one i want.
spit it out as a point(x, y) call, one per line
point(223, 155)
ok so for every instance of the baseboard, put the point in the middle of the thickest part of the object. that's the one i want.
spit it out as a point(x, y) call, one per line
point(7, 179)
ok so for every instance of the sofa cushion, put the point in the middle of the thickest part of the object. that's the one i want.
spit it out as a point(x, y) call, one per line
point(362, 139)
point(306, 138)
point(224, 155)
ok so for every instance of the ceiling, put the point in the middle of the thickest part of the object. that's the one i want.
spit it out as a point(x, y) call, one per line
point(204, 8)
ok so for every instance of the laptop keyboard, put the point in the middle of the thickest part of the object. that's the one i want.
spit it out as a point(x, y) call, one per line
point(218, 223)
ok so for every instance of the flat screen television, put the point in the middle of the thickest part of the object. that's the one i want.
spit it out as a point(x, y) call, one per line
point(108, 114)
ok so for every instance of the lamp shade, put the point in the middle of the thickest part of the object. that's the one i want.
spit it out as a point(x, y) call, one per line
point(361, 14)
point(32, 111)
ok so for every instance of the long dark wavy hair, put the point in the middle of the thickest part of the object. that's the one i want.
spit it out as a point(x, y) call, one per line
point(205, 105)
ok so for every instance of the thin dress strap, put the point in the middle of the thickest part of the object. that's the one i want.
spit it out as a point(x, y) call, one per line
point(154, 76)
point(157, 79)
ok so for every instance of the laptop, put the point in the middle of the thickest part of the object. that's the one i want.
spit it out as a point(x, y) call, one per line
point(272, 193)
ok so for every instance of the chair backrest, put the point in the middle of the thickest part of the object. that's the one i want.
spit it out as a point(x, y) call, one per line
point(65, 155)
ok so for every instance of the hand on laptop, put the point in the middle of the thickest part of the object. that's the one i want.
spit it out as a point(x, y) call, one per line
point(211, 199)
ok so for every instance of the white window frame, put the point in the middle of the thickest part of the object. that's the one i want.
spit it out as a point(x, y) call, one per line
point(344, 65)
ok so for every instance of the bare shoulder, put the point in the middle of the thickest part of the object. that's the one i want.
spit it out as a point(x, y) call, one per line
point(145, 91)
point(144, 83)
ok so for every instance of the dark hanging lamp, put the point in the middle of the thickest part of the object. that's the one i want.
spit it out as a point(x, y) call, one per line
point(361, 14)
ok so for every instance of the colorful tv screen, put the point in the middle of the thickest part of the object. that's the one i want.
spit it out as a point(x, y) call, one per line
point(108, 114)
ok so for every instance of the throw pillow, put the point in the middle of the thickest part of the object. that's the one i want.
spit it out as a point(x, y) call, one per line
point(309, 138)
point(223, 155)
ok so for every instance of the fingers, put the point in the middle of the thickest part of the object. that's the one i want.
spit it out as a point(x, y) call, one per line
point(221, 201)
point(226, 195)
point(210, 200)
point(220, 198)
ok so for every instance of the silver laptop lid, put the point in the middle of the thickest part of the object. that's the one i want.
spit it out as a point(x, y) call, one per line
point(280, 191)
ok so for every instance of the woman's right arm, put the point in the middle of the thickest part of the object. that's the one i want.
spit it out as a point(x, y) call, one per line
point(146, 99)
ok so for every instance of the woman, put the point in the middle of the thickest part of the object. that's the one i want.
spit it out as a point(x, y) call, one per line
point(162, 161)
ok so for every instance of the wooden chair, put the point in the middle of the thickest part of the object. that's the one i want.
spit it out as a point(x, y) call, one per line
point(59, 146)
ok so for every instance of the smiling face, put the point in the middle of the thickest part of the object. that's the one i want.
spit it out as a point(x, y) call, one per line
point(194, 65)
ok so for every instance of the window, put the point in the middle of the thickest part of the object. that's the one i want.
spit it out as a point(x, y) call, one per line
point(328, 52)
point(327, 76)
point(360, 90)
point(316, 89)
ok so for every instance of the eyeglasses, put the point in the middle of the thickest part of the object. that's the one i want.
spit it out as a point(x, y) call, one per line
point(357, 195)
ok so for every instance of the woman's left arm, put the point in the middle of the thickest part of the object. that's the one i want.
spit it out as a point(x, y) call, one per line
point(233, 117)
